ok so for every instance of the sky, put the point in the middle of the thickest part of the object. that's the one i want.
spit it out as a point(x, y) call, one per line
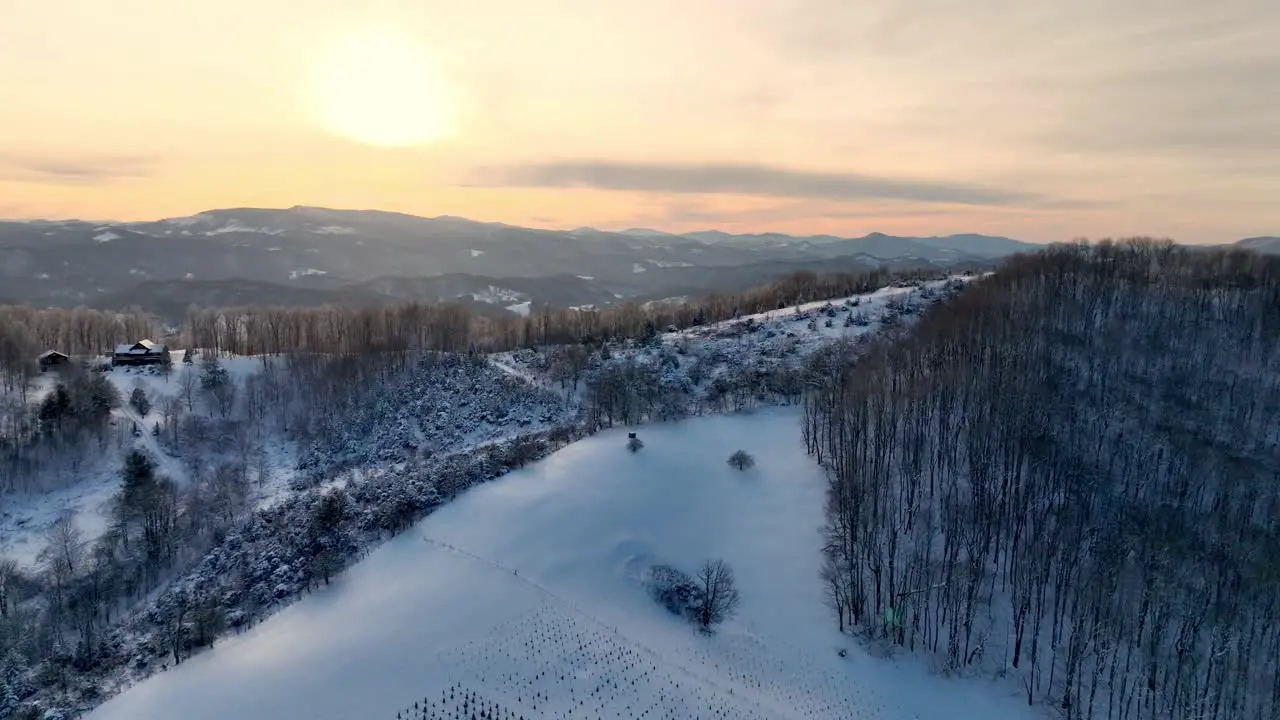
point(1038, 119)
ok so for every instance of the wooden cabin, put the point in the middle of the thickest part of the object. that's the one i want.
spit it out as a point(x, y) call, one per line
point(53, 360)
point(143, 352)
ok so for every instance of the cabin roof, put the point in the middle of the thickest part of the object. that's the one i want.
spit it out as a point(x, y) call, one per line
point(142, 347)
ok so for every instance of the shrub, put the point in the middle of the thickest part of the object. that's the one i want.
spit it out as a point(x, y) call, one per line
point(706, 600)
point(673, 589)
point(741, 460)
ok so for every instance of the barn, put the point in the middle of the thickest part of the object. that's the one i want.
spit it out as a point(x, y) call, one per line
point(143, 352)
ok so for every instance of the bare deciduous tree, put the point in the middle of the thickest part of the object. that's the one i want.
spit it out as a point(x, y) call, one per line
point(717, 598)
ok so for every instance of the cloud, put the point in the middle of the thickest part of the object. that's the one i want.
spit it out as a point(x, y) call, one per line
point(682, 212)
point(1208, 110)
point(751, 180)
point(1178, 79)
point(62, 170)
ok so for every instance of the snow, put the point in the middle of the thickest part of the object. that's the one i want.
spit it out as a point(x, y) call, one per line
point(334, 230)
point(521, 309)
point(24, 519)
point(585, 277)
point(669, 263)
point(526, 592)
point(498, 296)
point(476, 253)
point(693, 359)
point(637, 268)
point(106, 237)
point(295, 274)
point(235, 226)
point(189, 276)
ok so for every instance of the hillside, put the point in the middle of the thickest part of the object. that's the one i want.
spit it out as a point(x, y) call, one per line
point(306, 256)
point(1270, 245)
point(244, 452)
point(1079, 459)
point(524, 598)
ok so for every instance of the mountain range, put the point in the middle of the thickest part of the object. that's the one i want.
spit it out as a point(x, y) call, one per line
point(304, 256)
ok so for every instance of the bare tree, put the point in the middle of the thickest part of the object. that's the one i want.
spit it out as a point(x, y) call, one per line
point(65, 546)
point(717, 598)
point(188, 384)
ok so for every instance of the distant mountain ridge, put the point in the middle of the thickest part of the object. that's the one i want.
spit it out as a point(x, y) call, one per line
point(1264, 244)
point(310, 255)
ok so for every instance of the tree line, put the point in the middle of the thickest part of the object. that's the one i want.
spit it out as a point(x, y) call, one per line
point(26, 331)
point(1068, 475)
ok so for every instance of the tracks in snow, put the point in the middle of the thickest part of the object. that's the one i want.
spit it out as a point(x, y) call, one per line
point(727, 693)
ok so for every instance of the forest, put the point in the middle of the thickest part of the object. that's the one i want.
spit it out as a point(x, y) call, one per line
point(1068, 475)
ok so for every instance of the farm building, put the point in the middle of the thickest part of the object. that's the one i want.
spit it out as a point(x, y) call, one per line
point(143, 352)
point(52, 359)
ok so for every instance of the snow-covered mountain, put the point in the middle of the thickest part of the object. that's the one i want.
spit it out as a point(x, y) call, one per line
point(309, 256)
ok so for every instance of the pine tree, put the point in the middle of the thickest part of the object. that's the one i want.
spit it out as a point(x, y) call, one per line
point(212, 374)
point(139, 402)
point(8, 701)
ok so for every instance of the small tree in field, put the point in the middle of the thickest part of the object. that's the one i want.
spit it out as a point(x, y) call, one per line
point(717, 594)
point(741, 461)
point(634, 444)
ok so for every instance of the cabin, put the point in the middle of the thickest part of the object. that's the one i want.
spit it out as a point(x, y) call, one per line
point(53, 360)
point(143, 352)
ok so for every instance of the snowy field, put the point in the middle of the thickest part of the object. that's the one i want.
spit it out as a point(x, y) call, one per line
point(522, 598)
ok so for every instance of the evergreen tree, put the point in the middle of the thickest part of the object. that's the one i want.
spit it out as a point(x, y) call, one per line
point(139, 402)
point(55, 406)
point(212, 374)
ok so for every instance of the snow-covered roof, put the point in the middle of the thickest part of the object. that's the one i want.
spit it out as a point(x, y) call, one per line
point(51, 353)
point(142, 347)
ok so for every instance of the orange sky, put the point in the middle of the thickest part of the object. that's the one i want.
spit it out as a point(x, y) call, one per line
point(1040, 119)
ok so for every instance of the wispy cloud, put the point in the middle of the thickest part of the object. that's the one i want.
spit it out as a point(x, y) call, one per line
point(751, 180)
point(62, 170)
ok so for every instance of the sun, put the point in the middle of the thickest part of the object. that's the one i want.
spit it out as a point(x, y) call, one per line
point(380, 87)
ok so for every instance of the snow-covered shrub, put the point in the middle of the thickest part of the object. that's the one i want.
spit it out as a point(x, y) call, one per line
point(672, 589)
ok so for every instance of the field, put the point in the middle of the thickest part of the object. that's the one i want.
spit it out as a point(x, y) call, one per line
point(523, 598)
